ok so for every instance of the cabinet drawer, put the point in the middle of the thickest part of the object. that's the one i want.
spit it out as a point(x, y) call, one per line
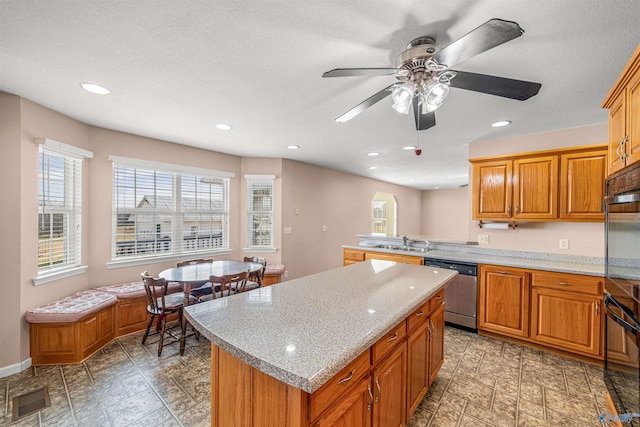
point(354, 254)
point(333, 389)
point(389, 341)
point(417, 317)
point(436, 300)
point(567, 282)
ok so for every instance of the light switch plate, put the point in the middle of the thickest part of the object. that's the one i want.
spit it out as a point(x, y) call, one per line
point(287, 230)
point(483, 239)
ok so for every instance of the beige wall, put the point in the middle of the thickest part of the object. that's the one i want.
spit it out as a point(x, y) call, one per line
point(313, 197)
point(10, 230)
point(446, 214)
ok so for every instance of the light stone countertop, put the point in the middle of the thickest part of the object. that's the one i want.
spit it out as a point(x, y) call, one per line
point(530, 260)
point(304, 331)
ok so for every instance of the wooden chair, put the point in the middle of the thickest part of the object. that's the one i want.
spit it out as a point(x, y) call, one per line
point(160, 305)
point(255, 278)
point(229, 283)
point(204, 289)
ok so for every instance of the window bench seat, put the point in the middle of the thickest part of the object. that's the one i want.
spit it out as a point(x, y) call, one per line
point(71, 329)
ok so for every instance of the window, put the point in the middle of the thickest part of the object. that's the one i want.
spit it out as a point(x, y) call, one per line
point(59, 210)
point(167, 211)
point(260, 212)
point(383, 218)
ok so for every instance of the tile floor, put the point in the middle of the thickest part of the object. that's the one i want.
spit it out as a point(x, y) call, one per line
point(483, 382)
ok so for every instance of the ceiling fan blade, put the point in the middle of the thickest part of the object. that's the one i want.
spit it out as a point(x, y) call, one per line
point(423, 121)
point(487, 36)
point(365, 104)
point(349, 72)
point(493, 85)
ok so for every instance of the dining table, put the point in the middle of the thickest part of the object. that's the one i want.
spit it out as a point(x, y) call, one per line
point(195, 275)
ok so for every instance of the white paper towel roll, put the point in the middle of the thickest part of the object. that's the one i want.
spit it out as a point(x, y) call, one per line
point(496, 225)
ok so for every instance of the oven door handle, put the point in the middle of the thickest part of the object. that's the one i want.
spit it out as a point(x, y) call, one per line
point(635, 327)
point(622, 199)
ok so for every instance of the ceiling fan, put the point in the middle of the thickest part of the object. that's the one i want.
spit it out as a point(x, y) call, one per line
point(425, 77)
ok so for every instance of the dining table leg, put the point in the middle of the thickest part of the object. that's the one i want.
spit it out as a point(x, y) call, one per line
point(186, 289)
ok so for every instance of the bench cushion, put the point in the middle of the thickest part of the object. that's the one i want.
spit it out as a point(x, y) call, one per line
point(71, 308)
point(274, 269)
point(133, 289)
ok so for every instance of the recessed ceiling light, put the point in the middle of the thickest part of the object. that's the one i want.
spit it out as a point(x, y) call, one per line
point(373, 154)
point(293, 147)
point(373, 167)
point(224, 126)
point(94, 88)
point(501, 123)
point(435, 188)
point(409, 147)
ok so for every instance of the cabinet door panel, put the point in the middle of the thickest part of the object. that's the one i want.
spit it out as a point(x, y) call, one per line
point(536, 188)
point(436, 342)
point(617, 133)
point(582, 185)
point(353, 410)
point(566, 320)
point(492, 190)
point(390, 389)
point(633, 119)
point(418, 366)
point(504, 301)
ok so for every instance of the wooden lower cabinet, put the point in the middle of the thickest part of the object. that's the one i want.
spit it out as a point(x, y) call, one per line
point(566, 320)
point(503, 296)
point(352, 256)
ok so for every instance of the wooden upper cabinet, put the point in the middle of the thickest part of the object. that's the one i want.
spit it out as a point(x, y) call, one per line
point(492, 189)
point(554, 185)
point(536, 188)
point(623, 102)
point(582, 181)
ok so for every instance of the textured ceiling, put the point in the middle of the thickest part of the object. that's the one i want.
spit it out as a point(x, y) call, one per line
point(175, 68)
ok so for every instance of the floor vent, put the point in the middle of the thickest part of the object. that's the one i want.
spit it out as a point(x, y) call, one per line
point(30, 402)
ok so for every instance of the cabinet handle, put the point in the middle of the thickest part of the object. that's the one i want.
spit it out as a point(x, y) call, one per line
point(429, 329)
point(597, 308)
point(393, 337)
point(623, 155)
point(503, 272)
point(370, 397)
point(378, 386)
point(517, 209)
point(508, 210)
point(344, 380)
point(420, 313)
point(564, 283)
point(438, 296)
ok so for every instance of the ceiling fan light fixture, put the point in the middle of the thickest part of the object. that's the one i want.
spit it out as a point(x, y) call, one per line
point(433, 97)
point(402, 96)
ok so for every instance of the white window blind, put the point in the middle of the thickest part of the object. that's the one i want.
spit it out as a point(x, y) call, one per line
point(260, 211)
point(59, 208)
point(159, 210)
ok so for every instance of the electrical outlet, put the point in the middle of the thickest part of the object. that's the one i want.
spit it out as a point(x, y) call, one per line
point(287, 230)
point(564, 243)
point(324, 228)
point(483, 239)
point(286, 274)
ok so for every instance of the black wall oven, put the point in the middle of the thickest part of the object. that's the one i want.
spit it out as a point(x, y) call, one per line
point(622, 292)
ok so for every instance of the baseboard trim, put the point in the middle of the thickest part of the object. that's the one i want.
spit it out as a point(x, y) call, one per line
point(16, 368)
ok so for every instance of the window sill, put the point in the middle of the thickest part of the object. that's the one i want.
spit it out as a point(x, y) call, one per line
point(52, 276)
point(155, 259)
point(260, 249)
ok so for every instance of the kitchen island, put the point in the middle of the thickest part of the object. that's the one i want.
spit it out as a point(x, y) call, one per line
point(308, 351)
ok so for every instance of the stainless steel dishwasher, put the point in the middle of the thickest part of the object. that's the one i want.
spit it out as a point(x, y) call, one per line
point(460, 295)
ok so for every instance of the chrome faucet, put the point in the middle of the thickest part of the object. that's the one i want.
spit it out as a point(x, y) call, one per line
point(405, 241)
